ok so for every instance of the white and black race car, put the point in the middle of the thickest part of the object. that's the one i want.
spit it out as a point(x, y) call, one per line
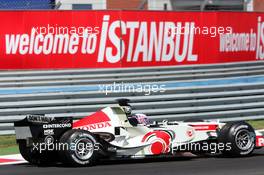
point(114, 133)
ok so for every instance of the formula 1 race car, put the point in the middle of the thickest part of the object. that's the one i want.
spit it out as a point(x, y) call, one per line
point(114, 132)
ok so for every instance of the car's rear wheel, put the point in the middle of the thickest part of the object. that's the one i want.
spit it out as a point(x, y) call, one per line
point(239, 139)
point(82, 148)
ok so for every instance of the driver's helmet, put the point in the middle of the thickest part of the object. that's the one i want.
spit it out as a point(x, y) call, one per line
point(141, 118)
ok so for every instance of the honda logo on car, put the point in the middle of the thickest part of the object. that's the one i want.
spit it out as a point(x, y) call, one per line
point(95, 126)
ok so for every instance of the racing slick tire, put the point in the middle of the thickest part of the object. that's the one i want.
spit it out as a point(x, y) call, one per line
point(34, 157)
point(82, 148)
point(239, 139)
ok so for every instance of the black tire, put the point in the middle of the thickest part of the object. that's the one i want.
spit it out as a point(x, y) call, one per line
point(239, 139)
point(72, 156)
point(34, 157)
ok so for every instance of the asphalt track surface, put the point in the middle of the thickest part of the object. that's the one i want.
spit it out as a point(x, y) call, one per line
point(253, 165)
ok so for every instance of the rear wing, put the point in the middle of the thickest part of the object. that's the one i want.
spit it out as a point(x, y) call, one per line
point(37, 128)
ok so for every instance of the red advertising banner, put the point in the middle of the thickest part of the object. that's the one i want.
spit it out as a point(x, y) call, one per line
point(100, 39)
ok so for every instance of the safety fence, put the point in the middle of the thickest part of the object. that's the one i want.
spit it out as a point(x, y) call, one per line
point(227, 91)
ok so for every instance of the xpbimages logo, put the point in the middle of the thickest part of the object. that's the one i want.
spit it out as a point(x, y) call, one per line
point(143, 88)
point(202, 147)
point(58, 146)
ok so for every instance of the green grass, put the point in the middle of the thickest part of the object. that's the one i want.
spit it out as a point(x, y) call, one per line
point(8, 143)
point(257, 124)
point(9, 150)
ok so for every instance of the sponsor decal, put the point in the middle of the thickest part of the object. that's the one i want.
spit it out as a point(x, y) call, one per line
point(240, 127)
point(160, 142)
point(206, 127)
point(66, 125)
point(39, 119)
point(260, 141)
point(94, 121)
point(96, 126)
point(190, 132)
point(49, 132)
point(49, 139)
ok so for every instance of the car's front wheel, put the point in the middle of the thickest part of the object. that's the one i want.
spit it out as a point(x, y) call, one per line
point(239, 139)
